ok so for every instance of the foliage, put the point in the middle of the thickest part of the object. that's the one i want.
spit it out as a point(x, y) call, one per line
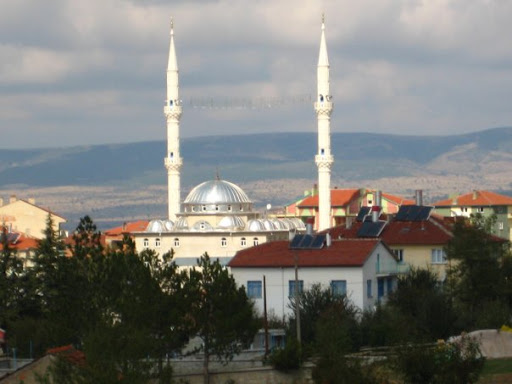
point(457, 362)
point(313, 303)
point(422, 307)
point(479, 277)
point(337, 334)
point(11, 275)
point(287, 358)
point(221, 313)
point(385, 326)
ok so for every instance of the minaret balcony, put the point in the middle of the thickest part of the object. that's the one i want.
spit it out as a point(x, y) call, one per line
point(172, 110)
point(323, 105)
point(173, 162)
point(324, 160)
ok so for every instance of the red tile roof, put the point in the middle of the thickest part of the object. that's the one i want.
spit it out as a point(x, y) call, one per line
point(23, 243)
point(341, 253)
point(476, 198)
point(398, 199)
point(339, 197)
point(133, 226)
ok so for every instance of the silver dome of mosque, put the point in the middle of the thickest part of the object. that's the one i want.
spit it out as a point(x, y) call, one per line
point(217, 192)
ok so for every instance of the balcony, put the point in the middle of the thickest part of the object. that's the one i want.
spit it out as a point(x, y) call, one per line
point(391, 268)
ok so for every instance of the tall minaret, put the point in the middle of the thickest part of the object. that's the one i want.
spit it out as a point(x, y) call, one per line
point(324, 159)
point(172, 112)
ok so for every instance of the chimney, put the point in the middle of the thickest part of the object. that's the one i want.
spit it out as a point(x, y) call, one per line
point(378, 198)
point(475, 194)
point(124, 226)
point(12, 199)
point(375, 213)
point(328, 239)
point(419, 197)
point(32, 201)
point(315, 190)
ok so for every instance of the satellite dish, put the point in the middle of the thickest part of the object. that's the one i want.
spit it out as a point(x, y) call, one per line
point(269, 206)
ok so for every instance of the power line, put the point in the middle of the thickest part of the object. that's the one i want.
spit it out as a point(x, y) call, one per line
point(247, 102)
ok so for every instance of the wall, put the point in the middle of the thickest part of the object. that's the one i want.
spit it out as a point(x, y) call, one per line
point(420, 256)
point(277, 282)
point(27, 218)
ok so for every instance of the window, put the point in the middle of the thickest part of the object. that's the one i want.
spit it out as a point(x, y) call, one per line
point(369, 289)
point(157, 242)
point(254, 289)
point(216, 207)
point(370, 203)
point(176, 242)
point(464, 209)
point(339, 287)
point(399, 253)
point(243, 242)
point(291, 287)
point(380, 288)
point(389, 285)
point(204, 207)
point(146, 243)
point(500, 226)
point(480, 210)
point(255, 241)
point(438, 256)
point(229, 208)
point(223, 242)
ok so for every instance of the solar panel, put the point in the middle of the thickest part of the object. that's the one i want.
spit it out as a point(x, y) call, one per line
point(296, 241)
point(307, 242)
point(371, 229)
point(364, 211)
point(414, 210)
point(413, 213)
point(402, 213)
point(425, 213)
point(12, 238)
point(318, 241)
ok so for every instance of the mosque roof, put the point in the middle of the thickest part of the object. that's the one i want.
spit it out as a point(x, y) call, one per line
point(217, 192)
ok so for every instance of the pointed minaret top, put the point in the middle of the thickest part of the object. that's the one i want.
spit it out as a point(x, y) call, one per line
point(173, 62)
point(323, 59)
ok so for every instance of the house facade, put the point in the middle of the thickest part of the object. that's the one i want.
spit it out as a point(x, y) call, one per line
point(481, 202)
point(362, 269)
point(345, 205)
point(26, 217)
point(417, 241)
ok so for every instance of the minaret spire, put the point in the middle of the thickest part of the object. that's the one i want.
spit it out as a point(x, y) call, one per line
point(324, 159)
point(172, 112)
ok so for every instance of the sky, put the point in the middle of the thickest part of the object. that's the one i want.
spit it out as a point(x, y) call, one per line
point(83, 72)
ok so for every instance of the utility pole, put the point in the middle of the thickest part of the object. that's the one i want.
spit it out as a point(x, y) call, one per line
point(296, 294)
point(265, 320)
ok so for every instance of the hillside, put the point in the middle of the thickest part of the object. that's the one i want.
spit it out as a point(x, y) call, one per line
point(129, 180)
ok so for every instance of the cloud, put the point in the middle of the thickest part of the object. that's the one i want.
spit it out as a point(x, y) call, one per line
point(398, 66)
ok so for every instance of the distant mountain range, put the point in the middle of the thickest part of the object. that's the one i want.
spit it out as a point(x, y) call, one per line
point(273, 168)
point(245, 158)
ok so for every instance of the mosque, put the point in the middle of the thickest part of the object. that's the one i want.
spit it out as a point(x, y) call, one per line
point(217, 216)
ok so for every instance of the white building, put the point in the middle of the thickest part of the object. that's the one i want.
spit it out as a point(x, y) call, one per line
point(217, 218)
point(363, 269)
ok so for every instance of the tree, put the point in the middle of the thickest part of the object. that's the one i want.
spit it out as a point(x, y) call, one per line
point(335, 330)
point(313, 303)
point(479, 276)
point(424, 306)
point(222, 314)
point(11, 274)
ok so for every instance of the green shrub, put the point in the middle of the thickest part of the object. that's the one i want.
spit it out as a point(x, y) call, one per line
point(287, 358)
